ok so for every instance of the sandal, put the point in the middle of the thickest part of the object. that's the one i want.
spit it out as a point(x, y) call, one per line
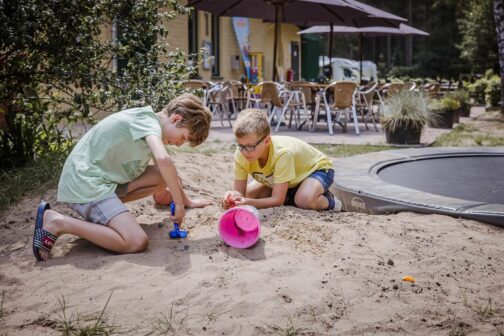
point(42, 240)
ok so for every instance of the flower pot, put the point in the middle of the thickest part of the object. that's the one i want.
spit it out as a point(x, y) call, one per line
point(404, 135)
point(444, 119)
point(465, 110)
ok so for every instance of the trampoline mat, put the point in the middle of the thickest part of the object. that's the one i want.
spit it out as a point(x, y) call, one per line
point(473, 178)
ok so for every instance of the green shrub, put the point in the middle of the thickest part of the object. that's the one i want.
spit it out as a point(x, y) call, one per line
point(477, 91)
point(493, 91)
point(450, 104)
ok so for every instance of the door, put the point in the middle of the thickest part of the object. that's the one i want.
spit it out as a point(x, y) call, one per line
point(295, 59)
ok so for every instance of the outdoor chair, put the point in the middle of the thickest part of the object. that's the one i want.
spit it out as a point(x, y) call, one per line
point(364, 104)
point(277, 100)
point(410, 86)
point(238, 97)
point(390, 89)
point(198, 85)
point(431, 90)
point(342, 103)
point(218, 101)
point(305, 93)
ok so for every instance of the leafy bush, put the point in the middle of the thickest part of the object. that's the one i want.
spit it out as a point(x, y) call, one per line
point(57, 70)
point(461, 95)
point(450, 104)
point(477, 91)
point(464, 99)
point(405, 72)
point(493, 91)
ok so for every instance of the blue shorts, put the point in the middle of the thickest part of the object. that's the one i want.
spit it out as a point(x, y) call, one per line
point(324, 176)
point(99, 212)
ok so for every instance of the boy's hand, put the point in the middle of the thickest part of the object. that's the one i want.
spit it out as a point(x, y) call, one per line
point(179, 215)
point(240, 200)
point(198, 203)
point(229, 199)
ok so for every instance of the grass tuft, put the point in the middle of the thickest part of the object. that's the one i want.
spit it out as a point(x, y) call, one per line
point(484, 311)
point(167, 324)
point(289, 329)
point(75, 325)
point(349, 150)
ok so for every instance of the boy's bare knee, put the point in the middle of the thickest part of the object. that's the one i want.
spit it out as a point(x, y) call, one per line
point(138, 244)
point(304, 201)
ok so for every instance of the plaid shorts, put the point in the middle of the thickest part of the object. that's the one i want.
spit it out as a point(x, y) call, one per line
point(99, 212)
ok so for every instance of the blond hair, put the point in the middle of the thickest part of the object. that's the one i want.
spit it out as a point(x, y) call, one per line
point(195, 116)
point(252, 121)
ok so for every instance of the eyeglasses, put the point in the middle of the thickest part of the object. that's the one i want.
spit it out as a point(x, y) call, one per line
point(248, 148)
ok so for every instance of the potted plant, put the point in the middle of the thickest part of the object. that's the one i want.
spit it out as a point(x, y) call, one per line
point(404, 117)
point(463, 97)
point(445, 111)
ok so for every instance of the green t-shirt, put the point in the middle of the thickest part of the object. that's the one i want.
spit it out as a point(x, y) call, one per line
point(289, 160)
point(113, 152)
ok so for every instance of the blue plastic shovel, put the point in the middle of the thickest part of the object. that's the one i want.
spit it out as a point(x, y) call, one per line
point(176, 232)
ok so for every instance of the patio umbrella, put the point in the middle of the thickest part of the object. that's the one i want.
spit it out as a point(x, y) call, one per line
point(300, 12)
point(401, 30)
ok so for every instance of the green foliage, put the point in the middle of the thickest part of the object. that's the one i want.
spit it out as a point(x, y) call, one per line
point(33, 178)
point(406, 107)
point(404, 72)
point(450, 104)
point(478, 46)
point(349, 150)
point(464, 99)
point(57, 67)
point(461, 95)
point(493, 91)
point(477, 90)
point(465, 135)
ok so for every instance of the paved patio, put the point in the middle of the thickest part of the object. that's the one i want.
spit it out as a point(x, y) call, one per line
point(321, 135)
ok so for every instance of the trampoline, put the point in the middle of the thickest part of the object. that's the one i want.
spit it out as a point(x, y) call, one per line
point(460, 182)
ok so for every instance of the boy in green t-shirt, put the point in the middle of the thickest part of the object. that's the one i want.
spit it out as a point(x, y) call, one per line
point(284, 170)
point(110, 166)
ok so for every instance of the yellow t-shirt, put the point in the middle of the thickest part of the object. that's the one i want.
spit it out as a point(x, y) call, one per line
point(290, 160)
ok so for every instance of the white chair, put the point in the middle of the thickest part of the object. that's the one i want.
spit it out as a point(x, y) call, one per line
point(364, 104)
point(217, 101)
point(342, 103)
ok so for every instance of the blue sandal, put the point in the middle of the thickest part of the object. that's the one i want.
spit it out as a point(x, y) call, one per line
point(42, 240)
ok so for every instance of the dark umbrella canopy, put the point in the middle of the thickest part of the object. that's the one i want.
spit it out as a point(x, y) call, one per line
point(401, 30)
point(300, 12)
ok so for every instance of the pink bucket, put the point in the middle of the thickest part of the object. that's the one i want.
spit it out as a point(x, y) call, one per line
point(240, 227)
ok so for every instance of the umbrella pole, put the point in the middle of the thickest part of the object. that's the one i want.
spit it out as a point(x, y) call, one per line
point(360, 57)
point(330, 51)
point(277, 31)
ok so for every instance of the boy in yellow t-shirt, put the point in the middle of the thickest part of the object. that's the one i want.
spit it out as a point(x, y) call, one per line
point(284, 170)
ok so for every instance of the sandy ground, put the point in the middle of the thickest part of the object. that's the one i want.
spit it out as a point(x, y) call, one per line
point(311, 273)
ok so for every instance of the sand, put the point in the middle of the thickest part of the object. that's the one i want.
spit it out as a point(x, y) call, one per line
point(311, 273)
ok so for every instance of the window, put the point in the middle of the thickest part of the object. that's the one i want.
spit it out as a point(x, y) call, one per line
point(216, 46)
point(193, 39)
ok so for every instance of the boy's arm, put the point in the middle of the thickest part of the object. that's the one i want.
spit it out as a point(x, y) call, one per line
point(277, 198)
point(240, 186)
point(169, 173)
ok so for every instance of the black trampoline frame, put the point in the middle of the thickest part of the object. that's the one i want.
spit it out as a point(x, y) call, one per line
point(357, 185)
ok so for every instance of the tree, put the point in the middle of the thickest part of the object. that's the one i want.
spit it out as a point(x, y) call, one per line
point(478, 46)
point(499, 26)
point(55, 69)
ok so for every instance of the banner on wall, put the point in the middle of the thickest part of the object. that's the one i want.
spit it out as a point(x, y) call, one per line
point(242, 31)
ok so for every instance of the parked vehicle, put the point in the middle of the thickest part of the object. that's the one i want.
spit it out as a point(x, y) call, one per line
point(347, 69)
